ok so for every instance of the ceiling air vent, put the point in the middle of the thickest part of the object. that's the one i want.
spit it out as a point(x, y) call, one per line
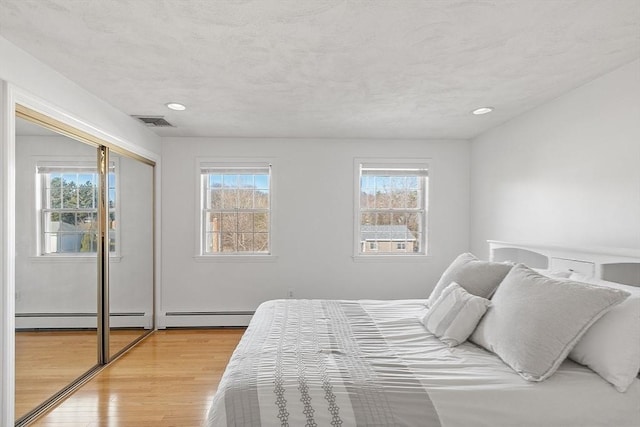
point(154, 121)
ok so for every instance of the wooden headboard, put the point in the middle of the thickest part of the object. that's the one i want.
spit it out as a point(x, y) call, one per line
point(613, 264)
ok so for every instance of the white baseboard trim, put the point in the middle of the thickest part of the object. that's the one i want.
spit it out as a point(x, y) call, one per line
point(204, 319)
point(80, 320)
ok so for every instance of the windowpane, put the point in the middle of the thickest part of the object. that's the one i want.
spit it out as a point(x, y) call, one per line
point(261, 222)
point(367, 219)
point(261, 242)
point(261, 199)
point(84, 178)
point(367, 183)
point(399, 218)
point(229, 242)
point(215, 200)
point(245, 242)
point(414, 223)
point(215, 181)
point(85, 195)
point(392, 205)
point(245, 181)
point(412, 199)
point(262, 182)
point(229, 198)
point(366, 200)
point(51, 222)
point(245, 199)
point(213, 243)
point(69, 209)
point(230, 181)
point(383, 219)
point(236, 209)
point(417, 243)
point(229, 222)
point(69, 196)
point(245, 222)
point(54, 197)
point(212, 222)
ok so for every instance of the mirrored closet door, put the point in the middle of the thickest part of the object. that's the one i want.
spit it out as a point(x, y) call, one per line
point(131, 269)
point(56, 293)
point(84, 258)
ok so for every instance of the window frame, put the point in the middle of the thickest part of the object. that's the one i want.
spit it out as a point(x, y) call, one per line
point(392, 163)
point(69, 162)
point(200, 234)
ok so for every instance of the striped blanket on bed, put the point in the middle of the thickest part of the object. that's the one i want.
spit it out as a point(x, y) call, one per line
point(318, 363)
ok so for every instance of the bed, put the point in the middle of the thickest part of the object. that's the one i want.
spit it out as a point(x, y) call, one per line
point(373, 363)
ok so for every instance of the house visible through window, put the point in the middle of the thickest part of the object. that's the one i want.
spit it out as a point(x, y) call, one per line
point(69, 208)
point(236, 209)
point(392, 208)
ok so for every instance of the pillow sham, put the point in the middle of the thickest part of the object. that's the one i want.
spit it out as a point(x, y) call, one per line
point(477, 277)
point(534, 321)
point(454, 315)
point(611, 346)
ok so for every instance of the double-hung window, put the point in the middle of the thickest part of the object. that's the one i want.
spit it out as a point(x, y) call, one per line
point(68, 207)
point(392, 207)
point(235, 208)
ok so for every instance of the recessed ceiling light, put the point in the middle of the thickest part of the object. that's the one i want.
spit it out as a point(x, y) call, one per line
point(175, 106)
point(482, 110)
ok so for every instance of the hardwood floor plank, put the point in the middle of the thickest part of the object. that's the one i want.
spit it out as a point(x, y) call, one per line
point(167, 380)
point(46, 361)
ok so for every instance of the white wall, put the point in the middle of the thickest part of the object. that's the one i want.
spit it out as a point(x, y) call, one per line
point(567, 172)
point(313, 230)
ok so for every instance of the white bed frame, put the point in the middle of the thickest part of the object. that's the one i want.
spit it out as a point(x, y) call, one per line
point(613, 264)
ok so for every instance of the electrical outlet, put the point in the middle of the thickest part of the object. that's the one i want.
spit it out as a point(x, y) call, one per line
point(290, 293)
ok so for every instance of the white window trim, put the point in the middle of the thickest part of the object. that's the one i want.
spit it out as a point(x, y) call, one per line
point(36, 191)
point(199, 255)
point(359, 256)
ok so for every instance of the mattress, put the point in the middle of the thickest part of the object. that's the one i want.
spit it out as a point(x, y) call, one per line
point(371, 363)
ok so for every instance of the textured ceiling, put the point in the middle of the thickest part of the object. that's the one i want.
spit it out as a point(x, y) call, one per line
point(327, 68)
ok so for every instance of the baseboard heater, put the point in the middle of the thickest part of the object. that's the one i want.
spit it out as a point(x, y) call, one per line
point(81, 320)
point(186, 319)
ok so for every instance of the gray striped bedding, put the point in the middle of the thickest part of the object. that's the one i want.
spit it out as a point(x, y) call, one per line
point(371, 363)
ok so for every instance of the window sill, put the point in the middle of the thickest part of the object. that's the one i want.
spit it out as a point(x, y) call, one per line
point(65, 259)
point(235, 258)
point(391, 258)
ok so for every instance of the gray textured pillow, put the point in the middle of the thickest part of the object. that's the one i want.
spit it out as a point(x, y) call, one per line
point(534, 321)
point(477, 277)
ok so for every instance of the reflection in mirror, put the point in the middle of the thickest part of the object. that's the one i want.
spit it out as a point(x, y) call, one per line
point(131, 266)
point(55, 266)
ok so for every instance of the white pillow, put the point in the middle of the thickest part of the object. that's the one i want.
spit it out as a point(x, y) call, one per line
point(552, 273)
point(477, 277)
point(611, 346)
point(454, 315)
point(534, 321)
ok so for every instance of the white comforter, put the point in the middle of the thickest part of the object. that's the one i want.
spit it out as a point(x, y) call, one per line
point(348, 363)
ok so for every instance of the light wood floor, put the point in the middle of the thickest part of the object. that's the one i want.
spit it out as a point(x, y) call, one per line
point(46, 361)
point(167, 380)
